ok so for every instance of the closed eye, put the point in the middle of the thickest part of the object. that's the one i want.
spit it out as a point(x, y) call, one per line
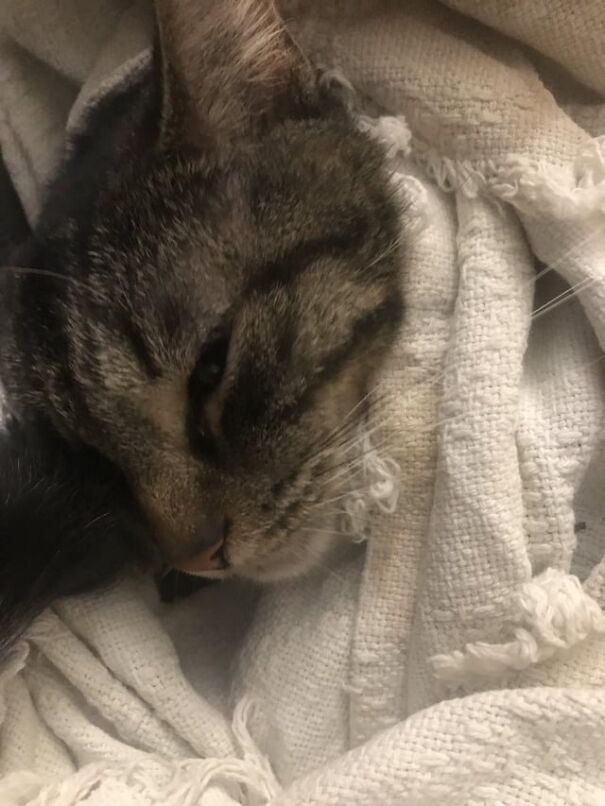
point(210, 367)
point(205, 379)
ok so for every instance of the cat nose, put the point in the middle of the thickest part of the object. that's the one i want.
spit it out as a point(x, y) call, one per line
point(208, 551)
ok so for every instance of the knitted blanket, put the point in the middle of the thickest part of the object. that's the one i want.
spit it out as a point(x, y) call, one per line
point(459, 655)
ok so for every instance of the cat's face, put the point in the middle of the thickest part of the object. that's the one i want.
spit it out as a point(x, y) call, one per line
point(237, 296)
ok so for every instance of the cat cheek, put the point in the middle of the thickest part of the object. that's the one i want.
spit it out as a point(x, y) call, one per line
point(285, 557)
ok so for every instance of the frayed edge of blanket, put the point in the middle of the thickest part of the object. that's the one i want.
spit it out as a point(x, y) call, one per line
point(390, 131)
point(551, 614)
point(379, 489)
point(247, 780)
point(533, 187)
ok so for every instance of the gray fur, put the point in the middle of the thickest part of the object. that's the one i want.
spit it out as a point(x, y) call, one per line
point(255, 209)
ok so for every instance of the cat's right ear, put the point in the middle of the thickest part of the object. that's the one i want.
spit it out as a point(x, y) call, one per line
point(229, 69)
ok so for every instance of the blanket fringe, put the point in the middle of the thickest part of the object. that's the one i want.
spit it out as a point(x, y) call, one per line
point(552, 613)
point(529, 185)
point(391, 131)
point(379, 488)
point(218, 781)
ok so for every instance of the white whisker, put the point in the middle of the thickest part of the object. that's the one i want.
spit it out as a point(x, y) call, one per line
point(564, 297)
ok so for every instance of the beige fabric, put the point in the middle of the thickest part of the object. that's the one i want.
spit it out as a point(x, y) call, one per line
point(571, 37)
point(494, 414)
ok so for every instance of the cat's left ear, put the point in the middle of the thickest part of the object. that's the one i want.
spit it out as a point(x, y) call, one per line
point(229, 71)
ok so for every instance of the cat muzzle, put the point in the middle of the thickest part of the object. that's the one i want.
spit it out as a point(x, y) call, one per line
point(208, 554)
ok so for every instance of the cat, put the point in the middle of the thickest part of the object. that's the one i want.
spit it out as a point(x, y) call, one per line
point(67, 525)
point(210, 290)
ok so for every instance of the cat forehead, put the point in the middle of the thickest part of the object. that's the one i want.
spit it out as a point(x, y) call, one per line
point(221, 233)
point(304, 169)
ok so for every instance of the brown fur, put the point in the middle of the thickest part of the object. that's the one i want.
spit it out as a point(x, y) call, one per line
point(258, 211)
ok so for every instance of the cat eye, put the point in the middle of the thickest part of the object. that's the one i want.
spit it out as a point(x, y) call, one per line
point(205, 378)
point(210, 366)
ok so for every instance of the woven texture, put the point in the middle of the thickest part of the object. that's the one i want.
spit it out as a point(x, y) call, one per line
point(459, 656)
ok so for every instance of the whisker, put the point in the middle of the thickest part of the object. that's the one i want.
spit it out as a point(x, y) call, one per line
point(392, 247)
point(348, 440)
point(318, 508)
point(564, 297)
point(407, 395)
point(47, 273)
point(330, 532)
point(358, 491)
point(376, 447)
point(344, 468)
point(350, 422)
point(360, 436)
point(576, 248)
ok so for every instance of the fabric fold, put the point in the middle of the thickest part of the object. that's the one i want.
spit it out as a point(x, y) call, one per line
point(483, 572)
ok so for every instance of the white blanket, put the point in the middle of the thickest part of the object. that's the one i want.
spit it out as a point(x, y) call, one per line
point(459, 656)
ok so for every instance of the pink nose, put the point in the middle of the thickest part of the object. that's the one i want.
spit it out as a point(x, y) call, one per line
point(209, 553)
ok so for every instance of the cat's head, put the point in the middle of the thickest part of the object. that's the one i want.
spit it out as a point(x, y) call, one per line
point(233, 295)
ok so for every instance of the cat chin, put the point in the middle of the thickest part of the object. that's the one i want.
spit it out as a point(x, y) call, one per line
point(292, 560)
point(288, 562)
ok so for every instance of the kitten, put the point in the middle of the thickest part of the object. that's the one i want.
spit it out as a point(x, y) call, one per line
point(216, 286)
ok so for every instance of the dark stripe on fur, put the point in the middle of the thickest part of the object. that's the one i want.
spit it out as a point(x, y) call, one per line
point(386, 318)
point(254, 394)
point(286, 268)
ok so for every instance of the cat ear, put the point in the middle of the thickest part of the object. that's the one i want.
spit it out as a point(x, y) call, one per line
point(229, 69)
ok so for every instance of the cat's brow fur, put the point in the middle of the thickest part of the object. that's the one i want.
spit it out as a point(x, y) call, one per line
point(222, 192)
